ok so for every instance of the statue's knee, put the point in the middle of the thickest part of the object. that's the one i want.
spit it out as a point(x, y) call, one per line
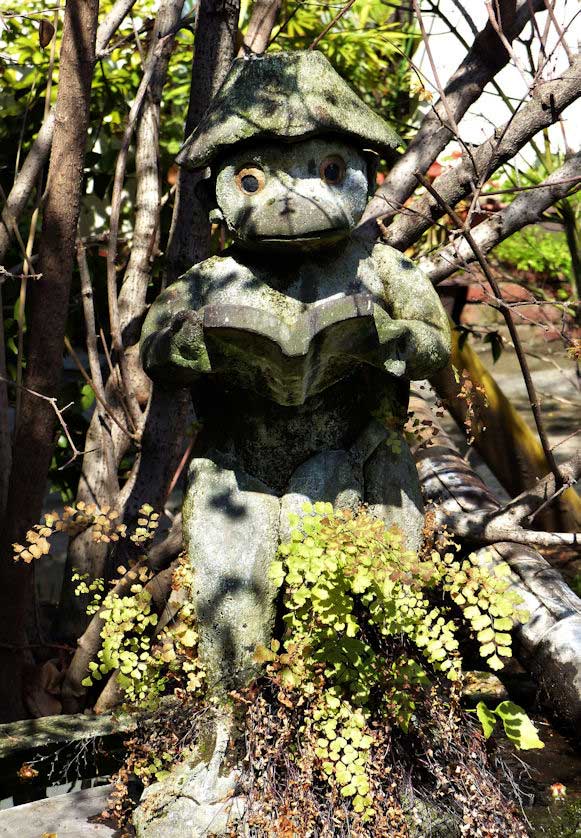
point(329, 476)
point(392, 490)
point(231, 535)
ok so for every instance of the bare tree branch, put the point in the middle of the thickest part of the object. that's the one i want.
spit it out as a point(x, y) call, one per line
point(466, 506)
point(546, 491)
point(507, 444)
point(108, 439)
point(455, 184)
point(486, 58)
point(527, 208)
point(509, 320)
point(24, 184)
point(58, 412)
point(49, 298)
point(168, 416)
point(331, 24)
point(162, 45)
point(260, 26)
point(213, 53)
point(111, 24)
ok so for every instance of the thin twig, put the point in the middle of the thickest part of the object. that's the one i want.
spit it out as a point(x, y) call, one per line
point(98, 396)
point(180, 467)
point(497, 26)
point(453, 126)
point(332, 23)
point(4, 275)
point(89, 314)
point(559, 29)
point(507, 314)
point(59, 414)
point(530, 518)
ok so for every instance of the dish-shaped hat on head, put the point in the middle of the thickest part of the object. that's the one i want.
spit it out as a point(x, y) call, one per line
point(287, 96)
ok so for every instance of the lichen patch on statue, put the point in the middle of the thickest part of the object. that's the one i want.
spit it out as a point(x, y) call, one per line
point(297, 342)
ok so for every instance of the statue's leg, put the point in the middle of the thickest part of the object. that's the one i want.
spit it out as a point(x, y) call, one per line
point(332, 476)
point(392, 489)
point(231, 525)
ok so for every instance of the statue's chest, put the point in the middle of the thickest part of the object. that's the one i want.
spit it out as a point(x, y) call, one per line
point(288, 290)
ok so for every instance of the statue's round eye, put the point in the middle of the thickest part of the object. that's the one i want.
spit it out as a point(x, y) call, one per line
point(250, 180)
point(332, 170)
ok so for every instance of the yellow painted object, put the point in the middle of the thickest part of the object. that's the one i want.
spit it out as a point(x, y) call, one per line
point(507, 444)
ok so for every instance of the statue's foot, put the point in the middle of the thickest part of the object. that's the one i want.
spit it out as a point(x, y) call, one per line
point(196, 799)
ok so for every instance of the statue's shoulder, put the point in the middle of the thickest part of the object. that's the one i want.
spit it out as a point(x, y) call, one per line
point(393, 265)
point(206, 281)
point(216, 270)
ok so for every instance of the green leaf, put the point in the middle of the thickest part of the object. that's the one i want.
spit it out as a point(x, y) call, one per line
point(487, 718)
point(480, 622)
point(495, 663)
point(503, 624)
point(87, 396)
point(518, 727)
point(486, 635)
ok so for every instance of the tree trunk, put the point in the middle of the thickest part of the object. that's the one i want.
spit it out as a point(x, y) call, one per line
point(5, 441)
point(260, 25)
point(99, 482)
point(215, 47)
point(170, 414)
point(49, 298)
point(550, 642)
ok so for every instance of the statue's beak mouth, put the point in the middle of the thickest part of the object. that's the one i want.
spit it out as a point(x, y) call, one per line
point(317, 235)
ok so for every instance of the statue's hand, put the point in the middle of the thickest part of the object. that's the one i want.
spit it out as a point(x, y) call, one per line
point(392, 338)
point(187, 339)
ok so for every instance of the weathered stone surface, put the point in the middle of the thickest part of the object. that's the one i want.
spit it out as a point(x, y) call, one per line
point(191, 803)
point(289, 331)
point(292, 340)
point(330, 476)
point(556, 664)
point(231, 536)
point(284, 96)
point(392, 490)
point(314, 212)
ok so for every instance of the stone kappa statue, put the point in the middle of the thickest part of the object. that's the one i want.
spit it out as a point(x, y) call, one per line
point(296, 341)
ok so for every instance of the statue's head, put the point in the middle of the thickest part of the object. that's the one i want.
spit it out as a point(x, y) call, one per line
point(302, 194)
point(292, 152)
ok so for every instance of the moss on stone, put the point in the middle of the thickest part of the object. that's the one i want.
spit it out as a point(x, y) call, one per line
point(287, 96)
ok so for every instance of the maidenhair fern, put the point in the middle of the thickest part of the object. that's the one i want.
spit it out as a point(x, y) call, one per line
point(350, 586)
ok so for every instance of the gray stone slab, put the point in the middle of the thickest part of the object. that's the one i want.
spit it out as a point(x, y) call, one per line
point(66, 816)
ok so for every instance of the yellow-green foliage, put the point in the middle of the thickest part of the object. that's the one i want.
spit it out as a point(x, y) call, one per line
point(101, 521)
point(146, 663)
point(126, 643)
point(350, 586)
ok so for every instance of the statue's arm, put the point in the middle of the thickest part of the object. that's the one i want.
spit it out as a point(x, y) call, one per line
point(172, 347)
point(421, 327)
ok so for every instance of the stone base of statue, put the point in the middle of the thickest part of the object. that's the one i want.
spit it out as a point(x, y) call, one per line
point(197, 798)
point(191, 803)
